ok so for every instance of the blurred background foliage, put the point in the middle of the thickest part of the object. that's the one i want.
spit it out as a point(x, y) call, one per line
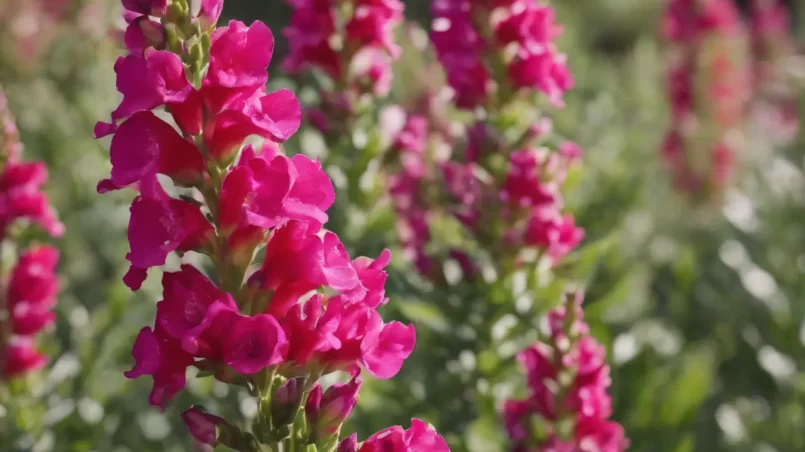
point(702, 309)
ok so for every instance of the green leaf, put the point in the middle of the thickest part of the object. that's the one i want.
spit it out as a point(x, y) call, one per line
point(484, 436)
point(686, 443)
point(425, 313)
point(690, 387)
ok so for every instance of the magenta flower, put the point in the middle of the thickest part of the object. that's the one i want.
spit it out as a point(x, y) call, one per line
point(368, 41)
point(708, 84)
point(384, 349)
point(146, 7)
point(32, 291)
point(238, 59)
point(201, 425)
point(523, 186)
point(29, 291)
point(281, 189)
point(372, 72)
point(147, 82)
point(21, 198)
point(584, 399)
point(372, 279)
point(253, 343)
point(413, 137)
point(308, 309)
point(528, 29)
point(21, 357)
point(209, 12)
point(531, 23)
point(274, 116)
point(365, 340)
point(420, 437)
point(145, 146)
point(553, 232)
point(348, 444)
point(297, 261)
point(144, 33)
point(327, 412)
point(543, 70)
point(372, 24)
point(159, 225)
point(186, 299)
point(162, 358)
point(308, 35)
point(233, 89)
point(310, 330)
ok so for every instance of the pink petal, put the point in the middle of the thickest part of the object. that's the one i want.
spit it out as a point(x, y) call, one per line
point(383, 352)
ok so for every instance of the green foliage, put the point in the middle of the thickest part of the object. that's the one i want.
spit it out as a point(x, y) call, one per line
point(702, 311)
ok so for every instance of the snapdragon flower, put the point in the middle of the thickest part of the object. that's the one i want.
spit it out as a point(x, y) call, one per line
point(276, 326)
point(28, 291)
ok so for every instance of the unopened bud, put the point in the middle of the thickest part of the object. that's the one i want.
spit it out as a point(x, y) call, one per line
point(209, 13)
point(202, 425)
point(286, 402)
point(349, 444)
point(328, 412)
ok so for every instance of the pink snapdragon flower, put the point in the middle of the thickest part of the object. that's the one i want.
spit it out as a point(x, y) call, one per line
point(232, 96)
point(772, 46)
point(708, 89)
point(32, 291)
point(420, 437)
point(308, 309)
point(22, 200)
point(521, 39)
point(492, 52)
point(29, 301)
point(367, 34)
point(31, 288)
point(202, 425)
point(406, 186)
point(584, 400)
point(21, 197)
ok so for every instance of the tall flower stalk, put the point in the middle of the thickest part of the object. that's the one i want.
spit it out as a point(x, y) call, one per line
point(487, 202)
point(775, 97)
point(28, 281)
point(349, 47)
point(273, 327)
point(708, 86)
point(567, 407)
point(28, 284)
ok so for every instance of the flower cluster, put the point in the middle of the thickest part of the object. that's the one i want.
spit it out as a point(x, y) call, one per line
point(503, 46)
point(273, 327)
point(708, 82)
point(365, 41)
point(409, 177)
point(29, 291)
point(770, 26)
point(350, 42)
point(772, 45)
point(567, 407)
point(505, 192)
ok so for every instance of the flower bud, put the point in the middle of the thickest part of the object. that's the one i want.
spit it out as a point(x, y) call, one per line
point(209, 13)
point(285, 402)
point(144, 33)
point(155, 8)
point(328, 412)
point(349, 444)
point(202, 425)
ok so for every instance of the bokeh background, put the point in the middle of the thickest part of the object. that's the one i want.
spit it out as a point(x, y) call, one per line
point(702, 309)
